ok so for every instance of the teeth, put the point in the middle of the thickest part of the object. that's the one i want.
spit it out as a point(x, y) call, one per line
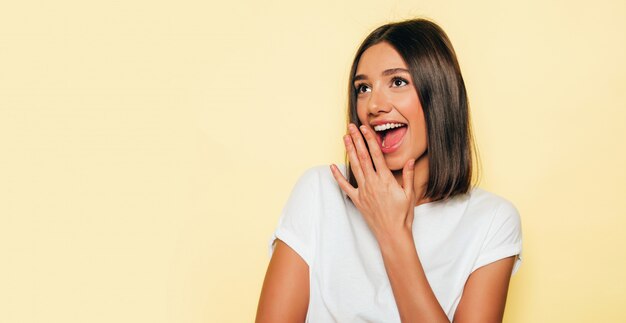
point(386, 126)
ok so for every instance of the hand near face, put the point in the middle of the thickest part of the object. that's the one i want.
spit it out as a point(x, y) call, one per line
point(386, 206)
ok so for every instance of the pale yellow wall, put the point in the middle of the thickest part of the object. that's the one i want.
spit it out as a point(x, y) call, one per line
point(147, 147)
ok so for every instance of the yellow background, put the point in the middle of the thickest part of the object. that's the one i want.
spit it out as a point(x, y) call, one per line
point(148, 147)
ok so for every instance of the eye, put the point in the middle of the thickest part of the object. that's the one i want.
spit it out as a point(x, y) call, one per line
point(361, 88)
point(398, 81)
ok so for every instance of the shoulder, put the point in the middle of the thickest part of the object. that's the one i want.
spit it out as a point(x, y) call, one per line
point(491, 214)
point(491, 205)
point(322, 171)
point(501, 227)
point(316, 185)
point(320, 176)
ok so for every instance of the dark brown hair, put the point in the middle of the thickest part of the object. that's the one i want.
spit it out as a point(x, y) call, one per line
point(436, 75)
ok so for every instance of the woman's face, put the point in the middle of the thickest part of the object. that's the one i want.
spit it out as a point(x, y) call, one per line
point(386, 95)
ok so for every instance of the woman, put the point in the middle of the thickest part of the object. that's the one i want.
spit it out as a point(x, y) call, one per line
point(399, 234)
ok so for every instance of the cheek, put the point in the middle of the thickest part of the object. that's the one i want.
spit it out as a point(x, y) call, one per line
point(407, 100)
point(361, 115)
point(423, 132)
point(420, 129)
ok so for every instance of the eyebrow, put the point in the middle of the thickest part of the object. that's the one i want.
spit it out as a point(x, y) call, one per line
point(384, 73)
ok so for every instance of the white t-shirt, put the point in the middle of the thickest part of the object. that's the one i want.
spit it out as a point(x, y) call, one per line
point(347, 277)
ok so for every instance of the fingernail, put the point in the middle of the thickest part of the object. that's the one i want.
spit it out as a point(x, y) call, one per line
point(363, 129)
point(412, 162)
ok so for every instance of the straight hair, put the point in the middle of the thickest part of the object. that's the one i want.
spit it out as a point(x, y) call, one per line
point(433, 65)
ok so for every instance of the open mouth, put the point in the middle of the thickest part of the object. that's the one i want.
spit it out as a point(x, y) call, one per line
point(389, 139)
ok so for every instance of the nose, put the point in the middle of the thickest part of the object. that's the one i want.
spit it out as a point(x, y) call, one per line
point(378, 102)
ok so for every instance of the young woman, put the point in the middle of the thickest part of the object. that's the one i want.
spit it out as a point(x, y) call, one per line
point(399, 234)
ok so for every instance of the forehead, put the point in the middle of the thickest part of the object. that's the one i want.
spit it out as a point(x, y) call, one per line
point(378, 58)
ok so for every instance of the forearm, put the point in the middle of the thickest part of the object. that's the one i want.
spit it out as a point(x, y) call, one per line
point(414, 297)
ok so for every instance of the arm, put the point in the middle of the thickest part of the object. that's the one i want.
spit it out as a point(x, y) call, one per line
point(484, 295)
point(285, 292)
point(388, 210)
point(415, 299)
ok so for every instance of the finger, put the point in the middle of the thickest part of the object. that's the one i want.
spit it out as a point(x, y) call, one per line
point(410, 216)
point(343, 183)
point(377, 154)
point(408, 174)
point(355, 165)
point(361, 151)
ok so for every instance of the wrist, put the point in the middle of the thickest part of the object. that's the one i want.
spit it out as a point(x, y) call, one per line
point(395, 240)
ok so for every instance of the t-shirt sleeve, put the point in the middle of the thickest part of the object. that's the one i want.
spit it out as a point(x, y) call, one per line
point(503, 239)
point(296, 225)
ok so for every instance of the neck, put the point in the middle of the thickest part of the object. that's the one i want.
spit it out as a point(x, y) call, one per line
point(420, 179)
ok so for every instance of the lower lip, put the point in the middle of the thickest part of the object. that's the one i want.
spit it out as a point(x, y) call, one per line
point(389, 150)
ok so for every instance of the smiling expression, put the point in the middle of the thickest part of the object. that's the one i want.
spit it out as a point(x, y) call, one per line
point(385, 93)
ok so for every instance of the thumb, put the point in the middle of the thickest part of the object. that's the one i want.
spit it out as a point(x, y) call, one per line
point(408, 173)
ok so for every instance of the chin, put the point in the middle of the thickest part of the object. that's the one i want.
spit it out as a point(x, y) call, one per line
point(395, 163)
